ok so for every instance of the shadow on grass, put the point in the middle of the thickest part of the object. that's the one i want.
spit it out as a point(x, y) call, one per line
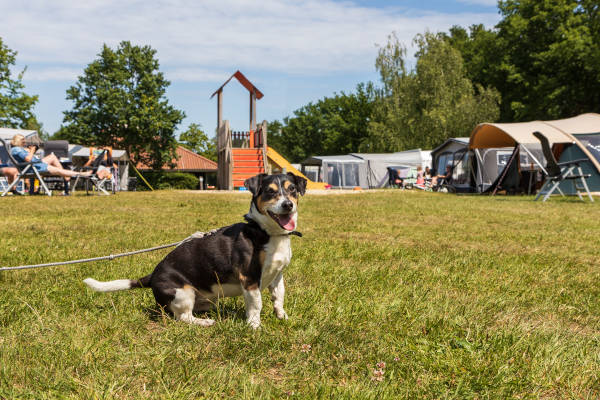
point(224, 310)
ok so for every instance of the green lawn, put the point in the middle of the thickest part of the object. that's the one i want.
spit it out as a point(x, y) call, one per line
point(459, 296)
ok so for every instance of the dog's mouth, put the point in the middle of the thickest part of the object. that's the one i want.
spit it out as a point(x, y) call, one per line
point(284, 220)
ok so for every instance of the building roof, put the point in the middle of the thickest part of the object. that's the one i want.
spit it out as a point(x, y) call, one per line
point(188, 162)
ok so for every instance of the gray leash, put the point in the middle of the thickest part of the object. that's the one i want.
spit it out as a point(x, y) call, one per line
point(109, 257)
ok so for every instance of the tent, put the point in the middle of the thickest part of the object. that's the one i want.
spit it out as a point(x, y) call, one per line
point(455, 153)
point(343, 171)
point(494, 145)
point(31, 137)
point(377, 164)
point(367, 170)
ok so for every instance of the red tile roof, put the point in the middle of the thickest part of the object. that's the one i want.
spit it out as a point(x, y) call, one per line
point(188, 162)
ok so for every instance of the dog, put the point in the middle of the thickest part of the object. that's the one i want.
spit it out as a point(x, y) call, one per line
point(241, 259)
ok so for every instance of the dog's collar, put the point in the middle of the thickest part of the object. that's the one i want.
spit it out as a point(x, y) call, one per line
point(255, 224)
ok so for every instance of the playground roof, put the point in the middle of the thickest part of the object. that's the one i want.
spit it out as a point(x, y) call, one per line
point(245, 83)
point(187, 161)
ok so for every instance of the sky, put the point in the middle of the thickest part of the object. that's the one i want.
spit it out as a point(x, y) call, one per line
point(294, 51)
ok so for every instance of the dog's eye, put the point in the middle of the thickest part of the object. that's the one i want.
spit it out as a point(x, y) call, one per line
point(292, 188)
point(270, 191)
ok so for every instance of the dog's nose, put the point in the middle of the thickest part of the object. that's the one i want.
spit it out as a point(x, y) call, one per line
point(287, 205)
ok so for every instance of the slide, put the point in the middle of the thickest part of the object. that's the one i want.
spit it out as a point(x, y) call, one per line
point(282, 163)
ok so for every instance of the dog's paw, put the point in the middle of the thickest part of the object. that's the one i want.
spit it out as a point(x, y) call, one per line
point(206, 322)
point(254, 323)
point(280, 314)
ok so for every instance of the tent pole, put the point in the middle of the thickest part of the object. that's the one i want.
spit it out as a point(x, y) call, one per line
point(535, 159)
point(480, 170)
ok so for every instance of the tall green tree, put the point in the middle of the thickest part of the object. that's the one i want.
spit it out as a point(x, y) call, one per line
point(543, 57)
point(16, 107)
point(423, 107)
point(332, 125)
point(120, 101)
point(197, 141)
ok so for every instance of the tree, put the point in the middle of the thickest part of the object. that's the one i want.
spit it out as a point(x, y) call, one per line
point(543, 57)
point(120, 101)
point(16, 107)
point(423, 107)
point(332, 125)
point(196, 140)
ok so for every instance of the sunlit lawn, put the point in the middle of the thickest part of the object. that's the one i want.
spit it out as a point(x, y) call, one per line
point(459, 296)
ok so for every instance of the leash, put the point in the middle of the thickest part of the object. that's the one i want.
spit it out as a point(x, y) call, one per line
point(109, 257)
point(195, 235)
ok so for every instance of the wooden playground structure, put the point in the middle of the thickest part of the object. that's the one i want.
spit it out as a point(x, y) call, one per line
point(244, 154)
point(241, 154)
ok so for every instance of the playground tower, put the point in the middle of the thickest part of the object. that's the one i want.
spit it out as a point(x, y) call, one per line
point(241, 154)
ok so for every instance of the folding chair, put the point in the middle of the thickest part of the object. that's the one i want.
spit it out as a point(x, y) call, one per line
point(559, 172)
point(25, 170)
point(60, 148)
point(97, 183)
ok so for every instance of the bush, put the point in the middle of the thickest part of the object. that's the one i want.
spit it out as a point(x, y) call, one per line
point(169, 180)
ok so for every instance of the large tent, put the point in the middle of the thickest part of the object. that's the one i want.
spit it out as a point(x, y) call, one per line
point(366, 170)
point(494, 145)
point(377, 164)
point(344, 171)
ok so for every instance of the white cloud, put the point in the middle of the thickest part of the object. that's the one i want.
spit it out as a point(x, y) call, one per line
point(40, 73)
point(197, 40)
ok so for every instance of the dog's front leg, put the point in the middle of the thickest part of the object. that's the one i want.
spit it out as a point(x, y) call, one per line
point(253, 301)
point(277, 290)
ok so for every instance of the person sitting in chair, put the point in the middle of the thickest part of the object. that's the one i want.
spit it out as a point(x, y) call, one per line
point(49, 164)
point(103, 166)
point(447, 177)
point(420, 176)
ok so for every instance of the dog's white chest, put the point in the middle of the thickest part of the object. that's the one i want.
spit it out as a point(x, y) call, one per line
point(278, 254)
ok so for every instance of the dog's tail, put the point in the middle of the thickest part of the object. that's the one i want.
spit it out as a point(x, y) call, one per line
point(119, 284)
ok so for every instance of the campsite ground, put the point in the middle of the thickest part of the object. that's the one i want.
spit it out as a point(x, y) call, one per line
point(459, 296)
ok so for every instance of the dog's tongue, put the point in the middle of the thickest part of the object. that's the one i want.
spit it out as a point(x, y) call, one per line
point(287, 222)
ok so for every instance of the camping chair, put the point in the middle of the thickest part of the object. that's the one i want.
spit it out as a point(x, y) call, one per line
point(60, 148)
point(559, 172)
point(25, 170)
point(98, 184)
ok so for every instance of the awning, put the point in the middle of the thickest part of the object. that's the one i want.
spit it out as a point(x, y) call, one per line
point(77, 150)
point(486, 135)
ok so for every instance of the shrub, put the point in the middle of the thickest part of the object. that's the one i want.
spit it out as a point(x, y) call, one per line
point(169, 180)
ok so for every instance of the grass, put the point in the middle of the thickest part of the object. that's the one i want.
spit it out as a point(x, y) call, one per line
point(459, 296)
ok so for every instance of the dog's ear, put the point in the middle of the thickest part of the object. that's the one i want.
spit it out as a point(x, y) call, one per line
point(299, 181)
point(253, 184)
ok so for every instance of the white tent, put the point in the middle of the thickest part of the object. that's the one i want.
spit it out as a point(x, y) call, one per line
point(367, 170)
point(378, 163)
point(344, 171)
point(31, 136)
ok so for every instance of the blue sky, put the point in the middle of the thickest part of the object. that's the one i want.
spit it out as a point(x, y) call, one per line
point(294, 51)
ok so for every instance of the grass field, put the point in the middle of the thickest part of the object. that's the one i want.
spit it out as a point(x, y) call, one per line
point(390, 295)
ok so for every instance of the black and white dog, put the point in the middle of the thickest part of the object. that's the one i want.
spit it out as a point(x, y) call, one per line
point(240, 259)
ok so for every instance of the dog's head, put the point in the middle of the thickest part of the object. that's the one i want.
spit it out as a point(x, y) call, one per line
point(275, 201)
